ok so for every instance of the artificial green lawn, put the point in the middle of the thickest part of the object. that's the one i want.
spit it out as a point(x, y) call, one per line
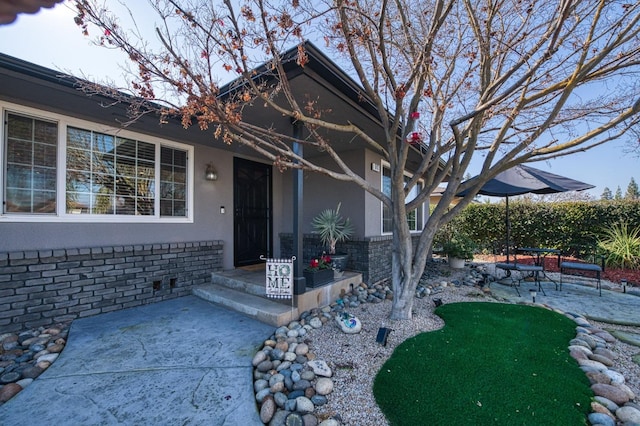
point(491, 364)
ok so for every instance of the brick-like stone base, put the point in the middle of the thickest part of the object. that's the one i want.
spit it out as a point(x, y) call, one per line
point(369, 256)
point(44, 287)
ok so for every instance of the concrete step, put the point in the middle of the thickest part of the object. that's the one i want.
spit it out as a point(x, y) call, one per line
point(251, 282)
point(244, 291)
point(261, 308)
point(243, 283)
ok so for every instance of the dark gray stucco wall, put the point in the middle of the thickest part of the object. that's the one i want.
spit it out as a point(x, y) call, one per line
point(29, 94)
point(208, 221)
point(322, 192)
point(370, 256)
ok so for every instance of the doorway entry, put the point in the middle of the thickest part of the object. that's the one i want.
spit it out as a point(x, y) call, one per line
point(252, 210)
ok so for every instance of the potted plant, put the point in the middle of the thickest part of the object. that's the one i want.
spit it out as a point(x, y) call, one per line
point(319, 271)
point(458, 248)
point(333, 228)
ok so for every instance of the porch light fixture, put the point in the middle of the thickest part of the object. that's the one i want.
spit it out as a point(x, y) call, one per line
point(210, 173)
point(533, 295)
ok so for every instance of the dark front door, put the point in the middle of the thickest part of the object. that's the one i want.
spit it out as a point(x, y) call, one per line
point(252, 212)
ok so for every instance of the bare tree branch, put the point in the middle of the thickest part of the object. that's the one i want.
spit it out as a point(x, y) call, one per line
point(452, 81)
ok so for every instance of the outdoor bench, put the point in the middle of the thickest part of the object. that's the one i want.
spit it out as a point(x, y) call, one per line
point(585, 267)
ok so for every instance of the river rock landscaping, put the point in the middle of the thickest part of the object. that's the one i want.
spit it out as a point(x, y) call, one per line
point(311, 372)
point(26, 355)
point(352, 360)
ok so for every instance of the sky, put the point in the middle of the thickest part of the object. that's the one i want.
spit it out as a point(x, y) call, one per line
point(51, 39)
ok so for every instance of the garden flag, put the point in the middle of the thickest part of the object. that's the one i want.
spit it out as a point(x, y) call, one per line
point(279, 278)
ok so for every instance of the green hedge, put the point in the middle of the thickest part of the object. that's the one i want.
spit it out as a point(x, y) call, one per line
point(568, 226)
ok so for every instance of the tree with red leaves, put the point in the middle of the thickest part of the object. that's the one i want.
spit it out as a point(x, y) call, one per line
point(509, 82)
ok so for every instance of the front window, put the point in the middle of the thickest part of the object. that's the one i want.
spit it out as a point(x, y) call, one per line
point(107, 176)
point(414, 217)
point(30, 168)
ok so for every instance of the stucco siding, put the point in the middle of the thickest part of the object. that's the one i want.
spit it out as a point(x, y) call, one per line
point(208, 221)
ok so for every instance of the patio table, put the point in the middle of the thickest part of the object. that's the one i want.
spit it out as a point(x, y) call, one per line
point(539, 254)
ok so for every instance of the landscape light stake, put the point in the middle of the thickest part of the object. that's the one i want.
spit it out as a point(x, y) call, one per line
point(383, 334)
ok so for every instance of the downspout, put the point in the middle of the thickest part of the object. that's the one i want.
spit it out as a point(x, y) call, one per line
point(299, 282)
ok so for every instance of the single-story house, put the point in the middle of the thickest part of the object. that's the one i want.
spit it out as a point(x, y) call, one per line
point(436, 196)
point(98, 217)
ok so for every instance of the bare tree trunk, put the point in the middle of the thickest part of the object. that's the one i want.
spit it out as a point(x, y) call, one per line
point(404, 284)
point(403, 293)
point(408, 264)
point(512, 101)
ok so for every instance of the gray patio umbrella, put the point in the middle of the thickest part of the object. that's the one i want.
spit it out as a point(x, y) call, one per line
point(523, 179)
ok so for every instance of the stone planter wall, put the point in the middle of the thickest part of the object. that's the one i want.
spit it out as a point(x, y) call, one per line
point(369, 256)
point(49, 286)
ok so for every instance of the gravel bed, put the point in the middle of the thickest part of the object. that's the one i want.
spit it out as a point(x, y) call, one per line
point(624, 364)
point(356, 358)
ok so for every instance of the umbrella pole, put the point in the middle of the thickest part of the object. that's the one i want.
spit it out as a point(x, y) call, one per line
point(507, 224)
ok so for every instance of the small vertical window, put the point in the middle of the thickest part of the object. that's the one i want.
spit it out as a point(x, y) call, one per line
point(173, 182)
point(30, 168)
point(387, 214)
point(414, 217)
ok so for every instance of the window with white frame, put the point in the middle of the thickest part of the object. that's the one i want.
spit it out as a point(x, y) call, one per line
point(415, 218)
point(106, 176)
point(173, 182)
point(30, 167)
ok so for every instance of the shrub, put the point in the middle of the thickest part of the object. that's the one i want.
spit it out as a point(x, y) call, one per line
point(459, 246)
point(453, 242)
point(561, 225)
point(621, 246)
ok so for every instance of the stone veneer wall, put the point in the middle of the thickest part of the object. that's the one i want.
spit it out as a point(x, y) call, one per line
point(369, 256)
point(38, 288)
